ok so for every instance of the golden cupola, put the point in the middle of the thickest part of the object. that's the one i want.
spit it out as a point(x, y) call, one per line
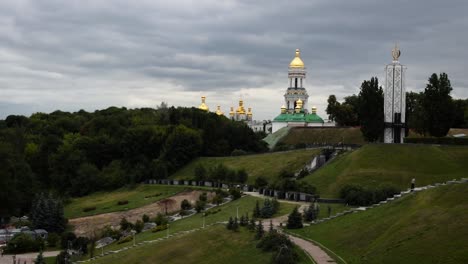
point(298, 106)
point(231, 113)
point(283, 109)
point(297, 61)
point(203, 105)
point(249, 112)
point(314, 110)
point(240, 109)
point(218, 111)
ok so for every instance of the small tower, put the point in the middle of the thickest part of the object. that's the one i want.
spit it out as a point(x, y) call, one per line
point(314, 110)
point(203, 106)
point(296, 90)
point(249, 114)
point(231, 113)
point(394, 99)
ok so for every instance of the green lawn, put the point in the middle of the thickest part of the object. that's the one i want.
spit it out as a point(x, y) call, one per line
point(396, 164)
point(245, 204)
point(267, 165)
point(424, 227)
point(106, 202)
point(331, 135)
point(211, 245)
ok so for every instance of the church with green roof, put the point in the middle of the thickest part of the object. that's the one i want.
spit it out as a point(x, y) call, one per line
point(294, 112)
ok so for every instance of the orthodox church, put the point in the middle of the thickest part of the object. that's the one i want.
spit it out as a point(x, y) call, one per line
point(295, 112)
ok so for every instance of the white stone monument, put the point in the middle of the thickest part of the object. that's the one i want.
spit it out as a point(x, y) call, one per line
point(394, 100)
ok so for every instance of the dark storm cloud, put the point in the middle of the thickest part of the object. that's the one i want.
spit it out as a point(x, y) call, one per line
point(92, 54)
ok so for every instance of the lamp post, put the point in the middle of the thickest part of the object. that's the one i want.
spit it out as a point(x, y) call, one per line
point(204, 220)
point(167, 231)
point(133, 232)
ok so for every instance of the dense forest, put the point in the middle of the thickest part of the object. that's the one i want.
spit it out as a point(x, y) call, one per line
point(73, 154)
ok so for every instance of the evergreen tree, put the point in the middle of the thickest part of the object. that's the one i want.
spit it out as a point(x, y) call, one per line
point(438, 105)
point(285, 255)
point(259, 230)
point(47, 213)
point(371, 110)
point(230, 223)
point(235, 225)
point(294, 219)
point(310, 214)
point(256, 211)
point(267, 210)
point(251, 225)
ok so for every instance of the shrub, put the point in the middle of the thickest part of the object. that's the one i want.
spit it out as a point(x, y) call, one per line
point(236, 194)
point(439, 141)
point(107, 231)
point(139, 226)
point(272, 241)
point(358, 195)
point(125, 239)
point(159, 228)
point(200, 206)
point(89, 209)
point(238, 152)
point(160, 219)
point(185, 205)
point(145, 218)
point(22, 243)
point(53, 239)
point(123, 202)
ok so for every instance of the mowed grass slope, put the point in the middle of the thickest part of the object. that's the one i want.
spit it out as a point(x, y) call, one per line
point(268, 165)
point(244, 205)
point(374, 164)
point(330, 135)
point(106, 202)
point(425, 227)
point(212, 245)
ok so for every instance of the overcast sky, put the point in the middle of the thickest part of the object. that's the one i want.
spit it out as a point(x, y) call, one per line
point(72, 55)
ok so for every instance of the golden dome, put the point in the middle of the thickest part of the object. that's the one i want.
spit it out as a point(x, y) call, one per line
point(240, 109)
point(314, 109)
point(218, 111)
point(297, 62)
point(231, 113)
point(249, 113)
point(203, 106)
point(283, 109)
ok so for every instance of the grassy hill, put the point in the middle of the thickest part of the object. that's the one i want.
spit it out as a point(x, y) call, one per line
point(332, 135)
point(396, 164)
point(213, 245)
point(267, 165)
point(106, 202)
point(245, 205)
point(425, 227)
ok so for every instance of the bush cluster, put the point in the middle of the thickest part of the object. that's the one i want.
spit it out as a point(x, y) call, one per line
point(269, 208)
point(22, 243)
point(89, 209)
point(159, 228)
point(438, 140)
point(125, 239)
point(354, 194)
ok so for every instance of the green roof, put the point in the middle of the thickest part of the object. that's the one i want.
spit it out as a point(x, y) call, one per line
point(298, 117)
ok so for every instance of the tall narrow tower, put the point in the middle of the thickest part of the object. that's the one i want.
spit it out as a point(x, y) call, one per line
point(296, 90)
point(394, 100)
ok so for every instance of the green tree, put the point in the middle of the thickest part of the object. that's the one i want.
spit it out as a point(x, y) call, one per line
point(139, 226)
point(47, 213)
point(294, 219)
point(438, 105)
point(332, 107)
point(260, 182)
point(256, 211)
point(40, 258)
point(185, 205)
point(415, 115)
point(371, 110)
point(259, 231)
point(200, 172)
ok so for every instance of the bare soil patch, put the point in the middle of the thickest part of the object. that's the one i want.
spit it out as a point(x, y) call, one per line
point(85, 226)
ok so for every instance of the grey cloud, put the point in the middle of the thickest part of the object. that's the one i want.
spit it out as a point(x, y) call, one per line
point(102, 53)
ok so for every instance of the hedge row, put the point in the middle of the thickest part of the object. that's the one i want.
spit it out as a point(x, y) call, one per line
point(441, 141)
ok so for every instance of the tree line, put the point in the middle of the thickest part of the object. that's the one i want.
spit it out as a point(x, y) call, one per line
point(431, 112)
point(74, 154)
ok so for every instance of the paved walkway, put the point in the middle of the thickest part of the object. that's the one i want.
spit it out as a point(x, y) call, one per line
point(27, 258)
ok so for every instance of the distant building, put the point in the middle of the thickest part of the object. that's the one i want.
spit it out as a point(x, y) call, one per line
point(294, 113)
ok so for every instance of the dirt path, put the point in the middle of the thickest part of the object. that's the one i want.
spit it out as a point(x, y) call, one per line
point(317, 253)
point(85, 226)
point(27, 258)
